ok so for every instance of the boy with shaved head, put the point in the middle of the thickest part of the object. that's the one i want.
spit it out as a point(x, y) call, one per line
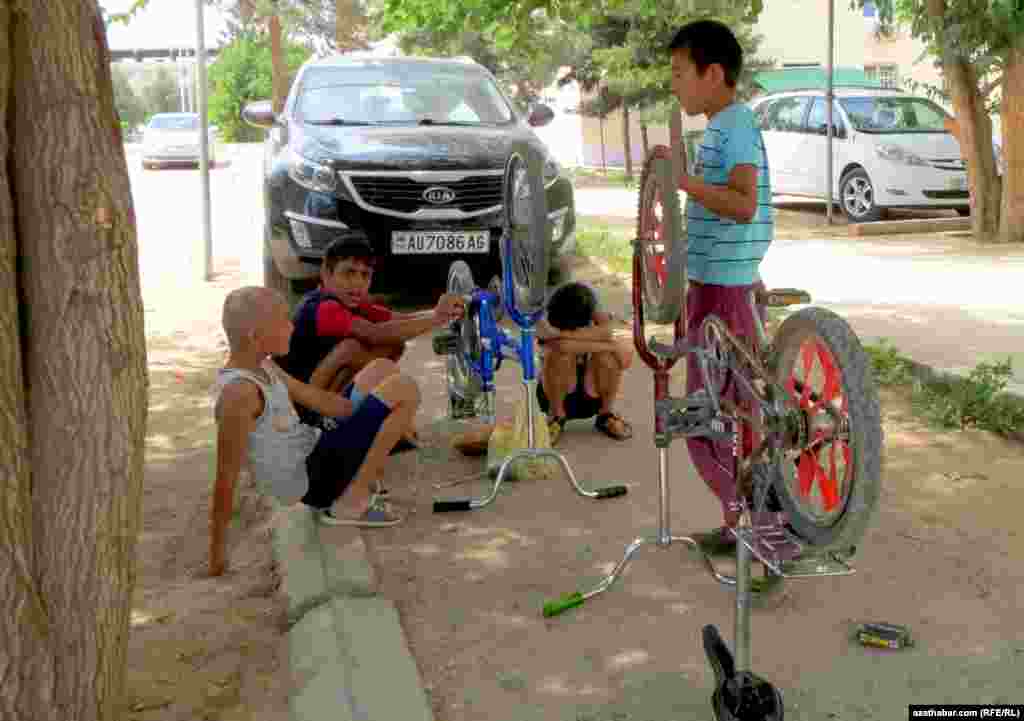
point(330, 471)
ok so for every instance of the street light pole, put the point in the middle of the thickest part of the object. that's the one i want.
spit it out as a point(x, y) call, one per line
point(204, 141)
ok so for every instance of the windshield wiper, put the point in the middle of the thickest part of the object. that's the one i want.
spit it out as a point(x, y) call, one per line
point(430, 121)
point(335, 121)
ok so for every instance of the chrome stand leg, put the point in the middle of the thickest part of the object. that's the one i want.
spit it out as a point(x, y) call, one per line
point(468, 504)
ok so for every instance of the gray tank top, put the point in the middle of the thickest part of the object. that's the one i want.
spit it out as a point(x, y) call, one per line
point(280, 443)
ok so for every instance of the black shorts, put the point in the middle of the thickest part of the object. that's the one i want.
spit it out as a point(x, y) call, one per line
point(578, 405)
point(341, 450)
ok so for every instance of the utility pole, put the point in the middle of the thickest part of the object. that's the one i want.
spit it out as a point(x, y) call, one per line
point(204, 141)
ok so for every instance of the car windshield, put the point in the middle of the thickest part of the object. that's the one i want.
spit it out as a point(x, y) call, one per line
point(174, 122)
point(899, 114)
point(400, 94)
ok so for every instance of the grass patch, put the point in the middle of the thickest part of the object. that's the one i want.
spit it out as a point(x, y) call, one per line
point(610, 243)
point(977, 400)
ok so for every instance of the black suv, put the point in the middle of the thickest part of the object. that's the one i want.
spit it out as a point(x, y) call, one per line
point(407, 152)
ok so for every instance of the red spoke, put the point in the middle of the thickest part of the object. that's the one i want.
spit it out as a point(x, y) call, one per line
point(807, 356)
point(806, 472)
point(829, 488)
point(832, 384)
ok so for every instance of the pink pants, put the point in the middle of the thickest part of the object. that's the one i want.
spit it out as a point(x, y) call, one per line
point(714, 461)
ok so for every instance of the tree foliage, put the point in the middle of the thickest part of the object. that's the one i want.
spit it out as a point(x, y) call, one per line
point(241, 74)
point(522, 70)
point(161, 93)
point(130, 107)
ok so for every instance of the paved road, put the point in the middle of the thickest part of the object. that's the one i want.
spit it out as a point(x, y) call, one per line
point(948, 301)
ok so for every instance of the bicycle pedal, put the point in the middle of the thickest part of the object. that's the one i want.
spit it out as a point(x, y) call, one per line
point(445, 342)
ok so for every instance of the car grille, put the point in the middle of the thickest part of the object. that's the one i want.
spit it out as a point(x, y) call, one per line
point(473, 193)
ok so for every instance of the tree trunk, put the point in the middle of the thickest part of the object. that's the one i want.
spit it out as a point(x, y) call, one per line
point(644, 141)
point(277, 69)
point(627, 142)
point(73, 382)
point(350, 25)
point(1012, 112)
point(975, 136)
point(975, 131)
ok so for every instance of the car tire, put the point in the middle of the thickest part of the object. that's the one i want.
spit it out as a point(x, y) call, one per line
point(857, 197)
point(272, 277)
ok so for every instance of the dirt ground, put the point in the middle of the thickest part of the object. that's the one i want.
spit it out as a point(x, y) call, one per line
point(200, 648)
point(942, 558)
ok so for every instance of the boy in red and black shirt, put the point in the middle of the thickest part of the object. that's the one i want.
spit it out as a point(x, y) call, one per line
point(338, 331)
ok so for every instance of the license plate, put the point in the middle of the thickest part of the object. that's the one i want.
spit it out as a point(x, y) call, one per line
point(956, 184)
point(416, 242)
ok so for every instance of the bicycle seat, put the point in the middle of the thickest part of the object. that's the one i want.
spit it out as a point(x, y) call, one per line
point(781, 297)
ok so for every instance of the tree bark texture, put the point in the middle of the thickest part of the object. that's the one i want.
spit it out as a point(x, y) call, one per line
point(644, 140)
point(73, 381)
point(627, 141)
point(1012, 112)
point(975, 134)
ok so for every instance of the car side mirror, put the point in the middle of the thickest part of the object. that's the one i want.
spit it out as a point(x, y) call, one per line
point(259, 114)
point(540, 116)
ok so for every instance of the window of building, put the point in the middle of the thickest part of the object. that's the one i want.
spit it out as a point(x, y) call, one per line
point(887, 75)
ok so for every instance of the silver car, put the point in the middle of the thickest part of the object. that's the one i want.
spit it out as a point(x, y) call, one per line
point(173, 138)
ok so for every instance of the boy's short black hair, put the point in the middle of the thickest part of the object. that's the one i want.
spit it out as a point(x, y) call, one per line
point(571, 307)
point(348, 248)
point(710, 42)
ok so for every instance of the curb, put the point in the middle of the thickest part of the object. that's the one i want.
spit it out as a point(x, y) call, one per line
point(348, 656)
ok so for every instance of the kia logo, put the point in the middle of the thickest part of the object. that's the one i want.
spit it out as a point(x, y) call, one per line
point(438, 195)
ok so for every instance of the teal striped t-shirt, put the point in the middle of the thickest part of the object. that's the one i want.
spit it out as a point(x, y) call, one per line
point(723, 251)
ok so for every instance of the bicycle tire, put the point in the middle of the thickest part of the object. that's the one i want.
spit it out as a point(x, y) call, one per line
point(663, 278)
point(526, 240)
point(463, 381)
point(842, 528)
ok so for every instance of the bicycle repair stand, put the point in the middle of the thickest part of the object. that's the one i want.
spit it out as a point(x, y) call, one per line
point(739, 695)
point(493, 342)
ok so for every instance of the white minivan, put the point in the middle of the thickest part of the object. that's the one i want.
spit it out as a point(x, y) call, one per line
point(891, 150)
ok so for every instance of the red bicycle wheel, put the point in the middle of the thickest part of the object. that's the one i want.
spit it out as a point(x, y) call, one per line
point(661, 240)
point(829, 484)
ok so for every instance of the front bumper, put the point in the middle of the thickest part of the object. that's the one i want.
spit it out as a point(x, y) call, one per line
point(898, 185)
point(305, 223)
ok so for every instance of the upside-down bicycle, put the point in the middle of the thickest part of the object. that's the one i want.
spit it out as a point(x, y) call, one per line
point(814, 408)
point(476, 345)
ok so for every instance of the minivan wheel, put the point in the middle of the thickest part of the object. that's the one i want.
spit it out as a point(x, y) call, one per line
point(272, 277)
point(857, 196)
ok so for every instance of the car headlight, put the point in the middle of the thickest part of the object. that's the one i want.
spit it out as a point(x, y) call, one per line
point(896, 154)
point(311, 175)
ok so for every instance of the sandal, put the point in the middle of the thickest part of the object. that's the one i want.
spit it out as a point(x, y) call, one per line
point(556, 424)
point(603, 424)
point(378, 515)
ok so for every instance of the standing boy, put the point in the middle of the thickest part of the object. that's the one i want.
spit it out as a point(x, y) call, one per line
point(729, 225)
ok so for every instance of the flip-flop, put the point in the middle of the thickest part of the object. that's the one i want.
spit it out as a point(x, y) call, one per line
point(378, 515)
point(602, 425)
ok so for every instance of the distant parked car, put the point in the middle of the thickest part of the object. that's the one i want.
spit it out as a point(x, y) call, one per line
point(173, 138)
point(891, 150)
